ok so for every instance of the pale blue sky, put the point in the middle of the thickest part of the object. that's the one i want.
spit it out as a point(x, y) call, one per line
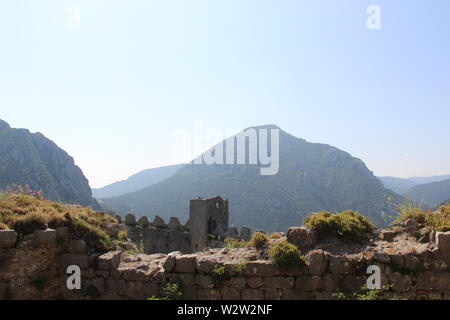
point(112, 93)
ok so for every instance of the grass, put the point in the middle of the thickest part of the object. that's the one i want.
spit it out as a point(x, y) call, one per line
point(429, 220)
point(285, 255)
point(259, 240)
point(232, 243)
point(347, 225)
point(219, 276)
point(26, 213)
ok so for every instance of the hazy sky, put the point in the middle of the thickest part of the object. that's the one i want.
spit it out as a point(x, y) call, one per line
point(113, 93)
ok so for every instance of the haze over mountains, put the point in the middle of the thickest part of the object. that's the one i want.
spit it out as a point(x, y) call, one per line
point(311, 177)
point(136, 182)
point(401, 185)
point(33, 159)
point(423, 191)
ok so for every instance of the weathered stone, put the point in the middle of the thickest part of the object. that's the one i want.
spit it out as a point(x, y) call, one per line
point(233, 233)
point(397, 261)
point(143, 222)
point(171, 260)
point(296, 294)
point(186, 278)
point(135, 291)
point(246, 234)
point(382, 257)
point(204, 281)
point(318, 262)
point(302, 237)
point(190, 292)
point(99, 285)
point(109, 260)
point(230, 294)
point(77, 246)
point(443, 245)
point(331, 282)
point(186, 263)
point(114, 228)
point(134, 274)
point(159, 222)
point(208, 294)
point(439, 265)
point(433, 281)
point(174, 223)
point(261, 268)
point(80, 260)
point(130, 219)
point(152, 289)
point(342, 265)
point(400, 283)
point(412, 262)
point(254, 282)
point(206, 264)
point(44, 237)
point(353, 283)
point(388, 235)
point(309, 283)
point(7, 238)
point(272, 294)
point(238, 282)
point(279, 282)
point(102, 273)
point(62, 233)
point(252, 294)
point(324, 296)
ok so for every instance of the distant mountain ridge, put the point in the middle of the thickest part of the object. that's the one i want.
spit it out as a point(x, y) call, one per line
point(430, 194)
point(398, 185)
point(424, 191)
point(312, 177)
point(136, 182)
point(33, 159)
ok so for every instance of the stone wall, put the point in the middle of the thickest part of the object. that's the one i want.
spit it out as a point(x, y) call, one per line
point(35, 268)
point(207, 217)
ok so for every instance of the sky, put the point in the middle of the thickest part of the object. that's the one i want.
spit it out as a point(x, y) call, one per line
point(112, 82)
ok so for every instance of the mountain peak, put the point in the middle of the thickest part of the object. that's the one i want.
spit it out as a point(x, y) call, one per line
point(4, 124)
point(266, 126)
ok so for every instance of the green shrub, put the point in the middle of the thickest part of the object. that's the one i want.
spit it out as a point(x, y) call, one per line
point(285, 255)
point(348, 225)
point(275, 235)
point(218, 276)
point(234, 243)
point(259, 240)
point(430, 220)
point(172, 291)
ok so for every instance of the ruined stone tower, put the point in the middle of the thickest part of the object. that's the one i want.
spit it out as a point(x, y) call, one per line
point(207, 217)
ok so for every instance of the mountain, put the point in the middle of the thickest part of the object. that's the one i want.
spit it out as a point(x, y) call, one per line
point(402, 185)
point(136, 182)
point(31, 158)
point(425, 180)
point(311, 177)
point(430, 194)
point(398, 185)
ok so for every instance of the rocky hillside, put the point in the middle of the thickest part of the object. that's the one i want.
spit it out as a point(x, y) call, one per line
point(136, 182)
point(311, 177)
point(430, 194)
point(32, 159)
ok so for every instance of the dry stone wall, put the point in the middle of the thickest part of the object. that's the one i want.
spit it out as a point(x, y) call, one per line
point(35, 268)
